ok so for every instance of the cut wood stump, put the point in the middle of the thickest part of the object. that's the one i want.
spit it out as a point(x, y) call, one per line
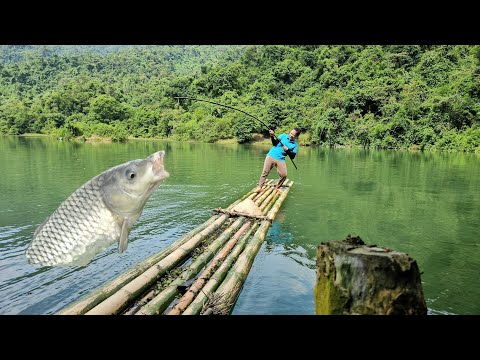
point(354, 278)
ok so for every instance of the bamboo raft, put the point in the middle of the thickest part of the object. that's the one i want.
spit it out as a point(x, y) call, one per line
point(212, 261)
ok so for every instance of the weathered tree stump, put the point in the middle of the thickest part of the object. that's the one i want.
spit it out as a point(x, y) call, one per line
point(353, 278)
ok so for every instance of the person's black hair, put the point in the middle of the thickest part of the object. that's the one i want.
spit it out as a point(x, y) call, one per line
point(298, 131)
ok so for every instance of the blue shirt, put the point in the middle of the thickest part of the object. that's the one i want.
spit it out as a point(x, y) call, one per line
point(277, 151)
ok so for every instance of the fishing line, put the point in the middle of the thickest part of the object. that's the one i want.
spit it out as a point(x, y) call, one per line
point(231, 107)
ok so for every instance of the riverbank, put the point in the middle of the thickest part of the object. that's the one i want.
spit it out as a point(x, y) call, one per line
point(257, 140)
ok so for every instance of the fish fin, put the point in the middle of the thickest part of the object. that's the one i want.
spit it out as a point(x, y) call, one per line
point(123, 241)
point(37, 230)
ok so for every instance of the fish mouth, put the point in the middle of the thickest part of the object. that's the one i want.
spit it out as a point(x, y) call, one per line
point(158, 169)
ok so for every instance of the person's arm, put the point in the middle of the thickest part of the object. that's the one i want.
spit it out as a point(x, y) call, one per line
point(291, 152)
point(275, 141)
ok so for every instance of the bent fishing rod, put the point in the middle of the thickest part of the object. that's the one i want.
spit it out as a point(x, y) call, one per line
point(230, 107)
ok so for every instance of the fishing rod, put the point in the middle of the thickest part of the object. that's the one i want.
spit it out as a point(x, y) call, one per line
point(230, 107)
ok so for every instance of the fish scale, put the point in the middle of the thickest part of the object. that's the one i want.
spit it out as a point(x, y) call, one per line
point(96, 214)
point(70, 225)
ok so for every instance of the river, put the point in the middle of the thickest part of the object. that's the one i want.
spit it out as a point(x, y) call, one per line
point(424, 204)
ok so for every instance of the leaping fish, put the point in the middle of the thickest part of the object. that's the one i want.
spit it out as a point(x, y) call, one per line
point(99, 213)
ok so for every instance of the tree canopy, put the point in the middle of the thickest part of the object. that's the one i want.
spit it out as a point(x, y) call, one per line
point(389, 96)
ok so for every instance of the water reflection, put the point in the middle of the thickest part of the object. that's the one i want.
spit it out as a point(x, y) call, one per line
point(424, 204)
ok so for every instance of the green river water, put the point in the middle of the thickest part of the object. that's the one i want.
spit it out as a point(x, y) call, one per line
point(424, 204)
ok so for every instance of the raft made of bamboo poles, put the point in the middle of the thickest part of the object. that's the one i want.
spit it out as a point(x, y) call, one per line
point(212, 261)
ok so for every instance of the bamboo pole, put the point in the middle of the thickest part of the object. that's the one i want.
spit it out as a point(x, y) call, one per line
point(196, 306)
point(126, 294)
point(250, 194)
point(216, 305)
point(195, 288)
point(149, 295)
point(230, 287)
point(263, 195)
point(265, 186)
point(88, 302)
point(236, 214)
point(202, 294)
point(139, 303)
point(160, 302)
point(269, 201)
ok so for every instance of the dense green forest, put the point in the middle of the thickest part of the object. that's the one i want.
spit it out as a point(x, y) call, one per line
point(395, 96)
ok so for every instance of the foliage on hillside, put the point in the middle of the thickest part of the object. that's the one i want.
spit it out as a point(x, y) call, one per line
point(395, 96)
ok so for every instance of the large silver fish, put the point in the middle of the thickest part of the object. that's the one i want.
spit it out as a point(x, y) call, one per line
point(99, 213)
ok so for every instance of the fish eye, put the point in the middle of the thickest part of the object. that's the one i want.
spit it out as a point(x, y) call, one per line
point(130, 174)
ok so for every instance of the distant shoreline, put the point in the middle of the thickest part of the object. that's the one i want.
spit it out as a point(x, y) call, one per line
point(98, 139)
point(257, 141)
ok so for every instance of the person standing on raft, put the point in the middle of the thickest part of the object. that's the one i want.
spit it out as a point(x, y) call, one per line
point(283, 145)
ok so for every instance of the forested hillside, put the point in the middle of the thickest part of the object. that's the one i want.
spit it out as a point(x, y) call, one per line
point(425, 97)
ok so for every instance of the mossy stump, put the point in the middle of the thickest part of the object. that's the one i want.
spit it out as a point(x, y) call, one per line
point(354, 278)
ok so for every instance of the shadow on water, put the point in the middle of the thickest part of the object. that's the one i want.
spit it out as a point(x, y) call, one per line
point(282, 276)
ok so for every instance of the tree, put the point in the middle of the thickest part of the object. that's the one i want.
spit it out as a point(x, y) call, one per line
point(107, 109)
